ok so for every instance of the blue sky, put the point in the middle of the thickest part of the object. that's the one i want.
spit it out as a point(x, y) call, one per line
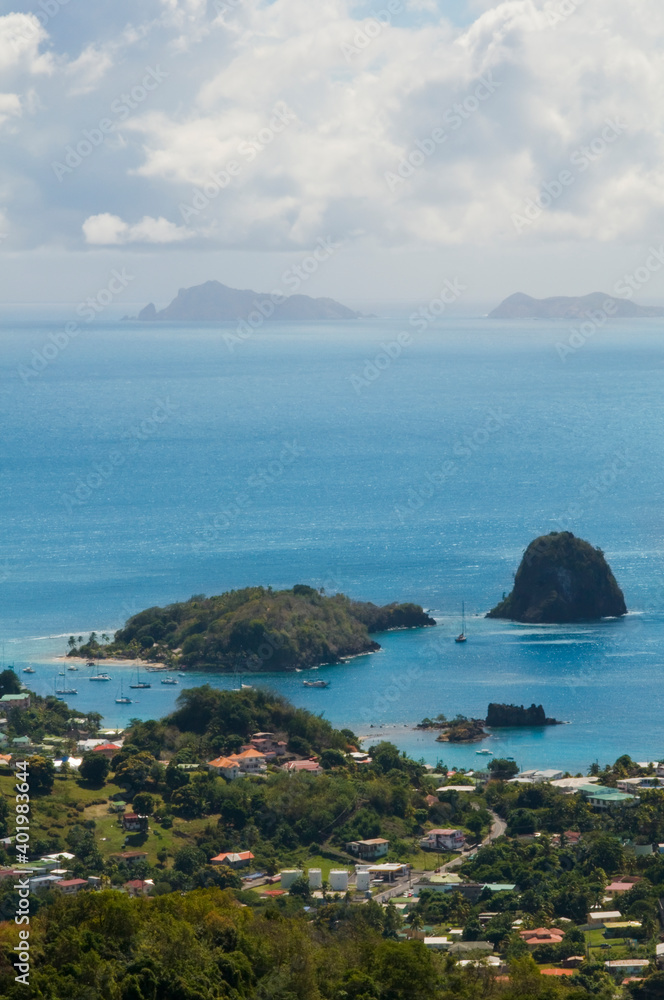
point(516, 144)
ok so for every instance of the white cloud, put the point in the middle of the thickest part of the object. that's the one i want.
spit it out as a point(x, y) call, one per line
point(364, 102)
point(111, 230)
point(88, 69)
point(20, 38)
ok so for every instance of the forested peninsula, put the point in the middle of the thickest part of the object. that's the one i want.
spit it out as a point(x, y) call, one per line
point(254, 629)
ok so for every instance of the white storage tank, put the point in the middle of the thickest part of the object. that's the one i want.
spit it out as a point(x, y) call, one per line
point(289, 876)
point(339, 880)
point(363, 881)
point(315, 878)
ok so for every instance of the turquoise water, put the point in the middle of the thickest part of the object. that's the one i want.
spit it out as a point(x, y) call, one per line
point(144, 465)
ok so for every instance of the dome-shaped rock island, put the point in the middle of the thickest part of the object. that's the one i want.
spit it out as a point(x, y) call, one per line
point(562, 579)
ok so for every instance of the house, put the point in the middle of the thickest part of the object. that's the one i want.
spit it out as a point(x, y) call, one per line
point(72, 885)
point(437, 943)
point(250, 761)
point(10, 701)
point(368, 850)
point(133, 823)
point(233, 860)
point(633, 784)
point(247, 762)
point(626, 966)
point(43, 882)
point(597, 917)
point(139, 886)
point(225, 766)
point(659, 955)
point(618, 887)
point(536, 777)
point(443, 840)
point(456, 788)
point(296, 766)
point(21, 742)
point(129, 857)
point(601, 797)
point(5, 759)
point(447, 882)
point(108, 750)
point(542, 935)
point(268, 744)
point(568, 786)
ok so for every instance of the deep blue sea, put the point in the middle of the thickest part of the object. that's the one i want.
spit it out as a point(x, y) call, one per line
point(144, 464)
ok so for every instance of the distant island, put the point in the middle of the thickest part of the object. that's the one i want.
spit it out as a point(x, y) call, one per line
point(255, 629)
point(214, 301)
point(562, 579)
point(510, 716)
point(520, 306)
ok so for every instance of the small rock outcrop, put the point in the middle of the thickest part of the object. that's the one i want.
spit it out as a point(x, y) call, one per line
point(510, 716)
point(562, 579)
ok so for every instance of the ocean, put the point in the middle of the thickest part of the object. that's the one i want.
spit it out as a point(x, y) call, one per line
point(142, 464)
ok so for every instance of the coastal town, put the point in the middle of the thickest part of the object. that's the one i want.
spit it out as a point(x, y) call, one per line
point(484, 866)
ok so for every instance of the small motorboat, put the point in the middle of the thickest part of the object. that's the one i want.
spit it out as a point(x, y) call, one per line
point(315, 684)
point(72, 668)
point(29, 670)
point(485, 753)
point(169, 680)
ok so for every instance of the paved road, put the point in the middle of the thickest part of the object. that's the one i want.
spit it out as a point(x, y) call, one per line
point(498, 827)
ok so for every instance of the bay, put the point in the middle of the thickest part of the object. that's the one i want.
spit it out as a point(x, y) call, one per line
point(145, 464)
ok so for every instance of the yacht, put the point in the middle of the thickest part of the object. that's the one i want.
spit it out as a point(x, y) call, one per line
point(462, 634)
point(315, 684)
point(29, 670)
point(139, 683)
point(122, 699)
point(169, 680)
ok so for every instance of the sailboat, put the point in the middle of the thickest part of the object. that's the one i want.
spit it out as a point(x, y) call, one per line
point(63, 690)
point(122, 700)
point(139, 683)
point(461, 637)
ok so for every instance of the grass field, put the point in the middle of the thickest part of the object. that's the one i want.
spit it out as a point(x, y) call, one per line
point(72, 802)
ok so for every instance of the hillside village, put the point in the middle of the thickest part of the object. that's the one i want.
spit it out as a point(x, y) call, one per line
point(491, 867)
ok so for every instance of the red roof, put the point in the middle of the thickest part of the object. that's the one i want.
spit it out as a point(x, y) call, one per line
point(108, 746)
point(274, 892)
point(235, 855)
point(71, 881)
point(557, 972)
point(136, 883)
